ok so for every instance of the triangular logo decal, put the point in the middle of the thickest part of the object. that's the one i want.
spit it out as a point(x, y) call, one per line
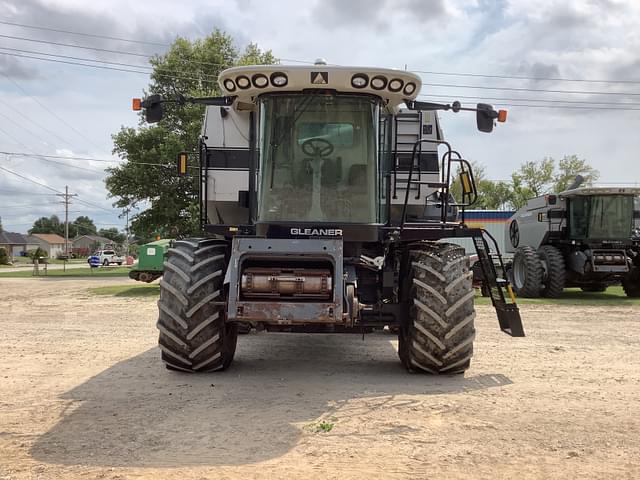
point(319, 78)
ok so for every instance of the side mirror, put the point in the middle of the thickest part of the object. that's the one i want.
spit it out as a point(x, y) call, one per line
point(152, 105)
point(154, 109)
point(484, 117)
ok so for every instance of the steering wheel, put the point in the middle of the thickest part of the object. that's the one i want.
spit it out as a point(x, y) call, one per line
point(317, 147)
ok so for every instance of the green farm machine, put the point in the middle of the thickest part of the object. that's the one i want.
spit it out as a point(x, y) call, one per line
point(324, 201)
point(151, 258)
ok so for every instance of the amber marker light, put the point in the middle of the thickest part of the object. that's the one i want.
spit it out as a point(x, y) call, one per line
point(502, 116)
point(136, 104)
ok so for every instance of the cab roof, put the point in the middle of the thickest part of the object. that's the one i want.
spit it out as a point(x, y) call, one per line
point(586, 191)
point(392, 86)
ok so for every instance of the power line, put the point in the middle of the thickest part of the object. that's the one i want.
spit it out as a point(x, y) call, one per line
point(518, 77)
point(29, 179)
point(23, 154)
point(104, 67)
point(86, 202)
point(584, 102)
point(51, 112)
point(36, 123)
point(143, 42)
point(175, 74)
point(70, 45)
point(21, 192)
point(104, 50)
point(518, 89)
point(35, 52)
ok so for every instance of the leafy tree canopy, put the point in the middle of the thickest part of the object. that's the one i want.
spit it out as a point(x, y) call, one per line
point(82, 225)
point(532, 179)
point(112, 234)
point(191, 68)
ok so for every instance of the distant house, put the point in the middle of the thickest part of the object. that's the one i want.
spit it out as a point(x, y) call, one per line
point(84, 245)
point(15, 243)
point(51, 243)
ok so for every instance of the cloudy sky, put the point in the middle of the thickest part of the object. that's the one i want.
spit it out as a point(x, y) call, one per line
point(58, 109)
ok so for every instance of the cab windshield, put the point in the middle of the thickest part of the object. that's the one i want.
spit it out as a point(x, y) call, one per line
point(601, 217)
point(318, 159)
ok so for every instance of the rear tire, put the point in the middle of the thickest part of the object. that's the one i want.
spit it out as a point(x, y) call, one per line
point(554, 274)
point(194, 335)
point(631, 283)
point(526, 272)
point(437, 337)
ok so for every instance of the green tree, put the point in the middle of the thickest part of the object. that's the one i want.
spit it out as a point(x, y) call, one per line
point(571, 166)
point(82, 225)
point(4, 256)
point(492, 195)
point(112, 234)
point(531, 180)
point(47, 225)
point(190, 68)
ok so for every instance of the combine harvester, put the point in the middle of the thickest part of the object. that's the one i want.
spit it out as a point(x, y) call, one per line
point(323, 200)
point(582, 237)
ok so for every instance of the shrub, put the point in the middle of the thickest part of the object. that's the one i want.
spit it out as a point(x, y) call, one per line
point(37, 253)
point(4, 257)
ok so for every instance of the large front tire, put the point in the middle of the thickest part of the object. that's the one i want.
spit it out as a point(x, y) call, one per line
point(437, 337)
point(194, 335)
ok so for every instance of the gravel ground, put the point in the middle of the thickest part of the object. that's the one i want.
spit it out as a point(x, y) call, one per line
point(84, 395)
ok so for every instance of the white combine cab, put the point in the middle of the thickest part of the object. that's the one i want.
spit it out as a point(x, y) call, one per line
point(226, 137)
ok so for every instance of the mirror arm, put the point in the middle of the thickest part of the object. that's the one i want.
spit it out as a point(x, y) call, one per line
point(454, 107)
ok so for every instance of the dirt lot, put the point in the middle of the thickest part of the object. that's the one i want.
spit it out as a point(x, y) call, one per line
point(83, 395)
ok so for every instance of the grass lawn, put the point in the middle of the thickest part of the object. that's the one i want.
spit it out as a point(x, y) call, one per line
point(26, 262)
point(574, 296)
point(71, 272)
point(142, 290)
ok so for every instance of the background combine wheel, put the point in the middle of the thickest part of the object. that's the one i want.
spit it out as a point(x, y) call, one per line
point(631, 283)
point(526, 272)
point(193, 333)
point(553, 271)
point(438, 335)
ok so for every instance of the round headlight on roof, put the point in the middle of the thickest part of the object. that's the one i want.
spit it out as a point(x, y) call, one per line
point(359, 80)
point(378, 82)
point(395, 85)
point(409, 88)
point(279, 79)
point(259, 80)
point(229, 85)
point(243, 82)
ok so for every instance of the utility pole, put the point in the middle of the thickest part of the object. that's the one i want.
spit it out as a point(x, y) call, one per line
point(66, 202)
point(126, 241)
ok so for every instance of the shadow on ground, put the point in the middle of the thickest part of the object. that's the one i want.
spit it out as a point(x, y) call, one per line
point(136, 413)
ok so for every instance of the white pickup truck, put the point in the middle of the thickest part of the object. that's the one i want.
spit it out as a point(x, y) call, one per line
point(107, 257)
